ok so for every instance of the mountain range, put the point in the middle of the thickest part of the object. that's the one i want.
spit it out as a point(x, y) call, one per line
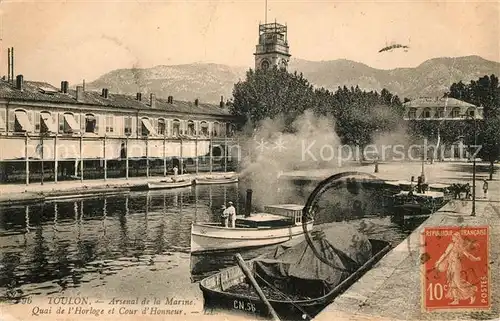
point(208, 82)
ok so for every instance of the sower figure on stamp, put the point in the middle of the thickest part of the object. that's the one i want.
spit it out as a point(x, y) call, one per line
point(231, 211)
point(458, 288)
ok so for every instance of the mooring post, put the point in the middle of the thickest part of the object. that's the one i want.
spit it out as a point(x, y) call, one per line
point(257, 288)
point(248, 204)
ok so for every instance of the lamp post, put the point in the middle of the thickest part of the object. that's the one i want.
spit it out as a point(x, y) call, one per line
point(473, 163)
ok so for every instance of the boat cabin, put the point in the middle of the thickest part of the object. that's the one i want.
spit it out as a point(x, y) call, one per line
point(274, 216)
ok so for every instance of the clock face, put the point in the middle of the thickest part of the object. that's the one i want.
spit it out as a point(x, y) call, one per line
point(264, 65)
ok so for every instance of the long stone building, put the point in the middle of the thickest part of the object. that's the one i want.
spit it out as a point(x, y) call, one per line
point(60, 133)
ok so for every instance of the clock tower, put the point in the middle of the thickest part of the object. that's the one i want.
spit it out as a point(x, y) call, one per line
point(272, 49)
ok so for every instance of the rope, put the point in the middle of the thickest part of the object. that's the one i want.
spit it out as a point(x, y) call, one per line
point(285, 296)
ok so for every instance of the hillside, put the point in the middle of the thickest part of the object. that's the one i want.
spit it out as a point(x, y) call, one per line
point(210, 81)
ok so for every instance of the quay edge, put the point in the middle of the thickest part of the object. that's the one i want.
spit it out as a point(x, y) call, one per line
point(33, 193)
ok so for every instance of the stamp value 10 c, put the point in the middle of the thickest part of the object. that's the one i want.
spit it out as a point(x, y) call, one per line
point(455, 268)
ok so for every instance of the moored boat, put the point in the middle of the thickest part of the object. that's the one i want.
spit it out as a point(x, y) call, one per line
point(278, 224)
point(166, 184)
point(296, 283)
point(215, 181)
point(406, 203)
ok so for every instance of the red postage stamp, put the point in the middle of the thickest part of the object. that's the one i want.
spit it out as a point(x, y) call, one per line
point(455, 268)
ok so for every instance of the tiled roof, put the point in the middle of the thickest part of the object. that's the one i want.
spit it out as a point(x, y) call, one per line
point(437, 102)
point(41, 92)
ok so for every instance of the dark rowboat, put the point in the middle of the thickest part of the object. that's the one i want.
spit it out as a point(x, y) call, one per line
point(228, 289)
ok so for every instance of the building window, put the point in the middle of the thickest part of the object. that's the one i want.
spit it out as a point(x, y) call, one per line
point(45, 123)
point(68, 124)
point(190, 128)
point(440, 113)
point(22, 122)
point(455, 113)
point(90, 123)
point(161, 126)
point(176, 128)
point(471, 112)
point(229, 129)
point(109, 124)
point(146, 127)
point(204, 129)
point(215, 129)
point(412, 114)
point(128, 125)
point(427, 113)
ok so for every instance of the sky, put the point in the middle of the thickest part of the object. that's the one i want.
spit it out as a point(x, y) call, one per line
point(75, 40)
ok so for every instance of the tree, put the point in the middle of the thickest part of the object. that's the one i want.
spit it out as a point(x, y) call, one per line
point(276, 92)
point(269, 93)
point(485, 92)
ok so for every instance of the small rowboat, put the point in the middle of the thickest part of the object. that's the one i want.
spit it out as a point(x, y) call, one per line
point(279, 223)
point(169, 184)
point(219, 290)
point(215, 181)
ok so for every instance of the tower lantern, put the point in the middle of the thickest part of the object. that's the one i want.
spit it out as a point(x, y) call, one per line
point(272, 49)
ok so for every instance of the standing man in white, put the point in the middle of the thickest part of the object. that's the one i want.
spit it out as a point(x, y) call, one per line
point(231, 211)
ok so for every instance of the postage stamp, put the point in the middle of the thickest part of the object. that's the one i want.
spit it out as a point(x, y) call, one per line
point(455, 268)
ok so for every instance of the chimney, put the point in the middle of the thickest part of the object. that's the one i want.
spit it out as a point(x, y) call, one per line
point(104, 92)
point(19, 82)
point(64, 86)
point(12, 63)
point(221, 104)
point(79, 93)
point(153, 100)
point(196, 102)
point(139, 96)
point(170, 99)
point(8, 65)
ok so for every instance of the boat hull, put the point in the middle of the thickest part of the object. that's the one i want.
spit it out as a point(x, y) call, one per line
point(165, 185)
point(210, 238)
point(216, 299)
point(216, 181)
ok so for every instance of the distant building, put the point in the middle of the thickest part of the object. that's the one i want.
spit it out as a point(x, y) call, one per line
point(440, 109)
point(115, 135)
point(272, 49)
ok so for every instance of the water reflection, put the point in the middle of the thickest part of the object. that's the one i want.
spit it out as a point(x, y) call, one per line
point(69, 242)
point(52, 246)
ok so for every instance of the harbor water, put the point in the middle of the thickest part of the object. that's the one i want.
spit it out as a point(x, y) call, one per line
point(51, 246)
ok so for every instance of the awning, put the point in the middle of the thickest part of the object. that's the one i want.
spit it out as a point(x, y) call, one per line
point(70, 120)
point(23, 121)
point(148, 126)
point(49, 122)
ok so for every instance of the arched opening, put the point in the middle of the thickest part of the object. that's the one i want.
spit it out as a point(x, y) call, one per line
point(426, 113)
point(455, 112)
point(161, 126)
point(190, 128)
point(204, 129)
point(176, 128)
point(21, 121)
point(90, 123)
point(412, 113)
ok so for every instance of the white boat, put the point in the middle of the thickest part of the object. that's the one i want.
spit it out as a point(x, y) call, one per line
point(166, 184)
point(215, 181)
point(278, 224)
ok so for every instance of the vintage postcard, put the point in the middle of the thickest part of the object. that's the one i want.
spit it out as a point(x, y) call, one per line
point(456, 274)
point(249, 160)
